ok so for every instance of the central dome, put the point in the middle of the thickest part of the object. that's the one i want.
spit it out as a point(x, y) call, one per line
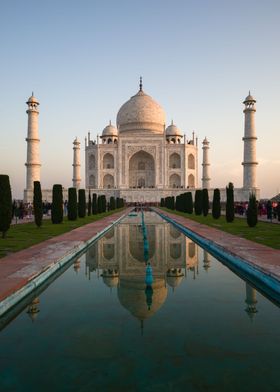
point(141, 112)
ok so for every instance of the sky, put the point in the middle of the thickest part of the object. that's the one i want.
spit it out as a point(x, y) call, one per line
point(83, 60)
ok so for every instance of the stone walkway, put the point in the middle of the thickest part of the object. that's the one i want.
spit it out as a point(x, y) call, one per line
point(262, 257)
point(18, 269)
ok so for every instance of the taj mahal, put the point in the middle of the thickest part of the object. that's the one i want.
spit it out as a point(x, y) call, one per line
point(141, 159)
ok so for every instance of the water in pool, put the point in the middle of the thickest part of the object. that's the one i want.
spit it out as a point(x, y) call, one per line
point(97, 327)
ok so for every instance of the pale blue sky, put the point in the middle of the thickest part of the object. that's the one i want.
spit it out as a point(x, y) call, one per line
point(83, 60)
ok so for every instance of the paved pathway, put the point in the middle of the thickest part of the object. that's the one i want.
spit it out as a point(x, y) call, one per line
point(264, 258)
point(18, 269)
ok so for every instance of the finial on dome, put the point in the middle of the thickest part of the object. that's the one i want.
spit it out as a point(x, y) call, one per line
point(140, 85)
point(110, 123)
point(32, 94)
point(172, 122)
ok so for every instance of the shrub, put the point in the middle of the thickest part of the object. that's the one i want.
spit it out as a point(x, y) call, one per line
point(72, 204)
point(5, 204)
point(252, 211)
point(99, 205)
point(178, 203)
point(269, 209)
point(278, 210)
point(189, 203)
point(230, 203)
point(37, 203)
point(103, 203)
point(89, 204)
point(94, 204)
point(205, 202)
point(57, 204)
point(112, 203)
point(82, 203)
point(216, 206)
point(198, 202)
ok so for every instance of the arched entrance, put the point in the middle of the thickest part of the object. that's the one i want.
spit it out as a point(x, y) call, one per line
point(141, 170)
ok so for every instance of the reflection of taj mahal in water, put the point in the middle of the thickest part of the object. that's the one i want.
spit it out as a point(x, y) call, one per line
point(118, 259)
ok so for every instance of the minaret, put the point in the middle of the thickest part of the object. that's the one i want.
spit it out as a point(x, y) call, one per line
point(205, 165)
point(251, 301)
point(33, 164)
point(76, 164)
point(250, 160)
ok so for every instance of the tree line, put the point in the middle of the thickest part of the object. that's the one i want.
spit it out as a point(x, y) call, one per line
point(201, 206)
point(77, 207)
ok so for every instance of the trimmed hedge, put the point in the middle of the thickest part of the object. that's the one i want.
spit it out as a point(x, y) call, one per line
point(94, 204)
point(205, 202)
point(198, 202)
point(5, 204)
point(89, 204)
point(230, 203)
point(72, 204)
point(252, 211)
point(82, 206)
point(216, 205)
point(57, 204)
point(37, 203)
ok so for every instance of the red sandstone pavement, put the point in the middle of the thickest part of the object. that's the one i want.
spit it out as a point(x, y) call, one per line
point(261, 256)
point(18, 269)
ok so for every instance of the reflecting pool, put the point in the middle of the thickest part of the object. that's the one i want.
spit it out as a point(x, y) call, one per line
point(98, 328)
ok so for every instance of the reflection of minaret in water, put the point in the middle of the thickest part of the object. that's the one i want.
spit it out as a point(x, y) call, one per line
point(76, 265)
point(251, 300)
point(33, 308)
point(206, 260)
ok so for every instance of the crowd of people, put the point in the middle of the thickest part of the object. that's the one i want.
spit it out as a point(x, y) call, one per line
point(268, 209)
point(23, 210)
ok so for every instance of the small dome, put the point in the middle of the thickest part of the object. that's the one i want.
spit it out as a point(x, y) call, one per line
point(174, 281)
point(111, 281)
point(249, 98)
point(141, 112)
point(173, 130)
point(110, 130)
point(32, 99)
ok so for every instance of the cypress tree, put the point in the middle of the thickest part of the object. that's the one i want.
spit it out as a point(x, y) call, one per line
point(5, 204)
point(72, 204)
point(103, 203)
point(205, 202)
point(112, 203)
point(89, 203)
point(162, 204)
point(230, 203)
point(57, 204)
point(82, 203)
point(99, 204)
point(189, 203)
point(278, 210)
point(269, 209)
point(198, 202)
point(118, 202)
point(252, 212)
point(216, 206)
point(172, 203)
point(94, 204)
point(37, 203)
point(177, 203)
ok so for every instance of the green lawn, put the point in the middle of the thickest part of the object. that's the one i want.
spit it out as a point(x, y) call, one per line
point(265, 233)
point(24, 235)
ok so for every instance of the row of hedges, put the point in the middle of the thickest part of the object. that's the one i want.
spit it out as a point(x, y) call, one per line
point(77, 207)
point(184, 203)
